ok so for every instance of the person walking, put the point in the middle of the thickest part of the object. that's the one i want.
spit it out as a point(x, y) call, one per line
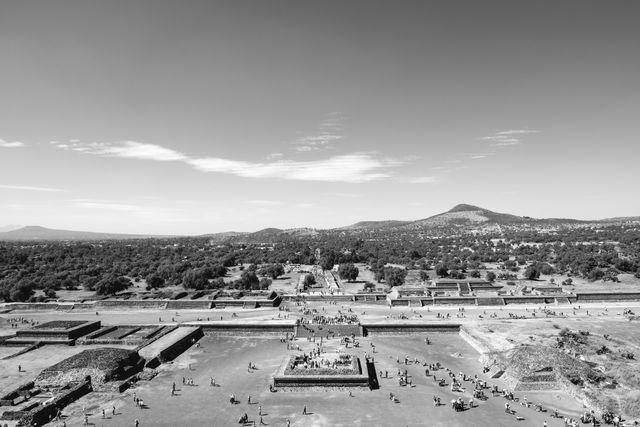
point(304, 410)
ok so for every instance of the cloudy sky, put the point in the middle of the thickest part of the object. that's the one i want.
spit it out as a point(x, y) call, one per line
point(189, 117)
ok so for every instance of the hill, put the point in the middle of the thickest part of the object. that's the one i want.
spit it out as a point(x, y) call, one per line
point(33, 232)
point(373, 225)
point(462, 218)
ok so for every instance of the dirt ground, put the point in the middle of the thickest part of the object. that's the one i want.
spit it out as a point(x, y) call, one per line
point(226, 360)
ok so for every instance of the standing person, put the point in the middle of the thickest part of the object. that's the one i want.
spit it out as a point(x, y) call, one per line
point(304, 410)
point(136, 423)
point(113, 409)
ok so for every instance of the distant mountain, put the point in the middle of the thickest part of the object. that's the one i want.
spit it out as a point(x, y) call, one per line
point(374, 225)
point(467, 215)
point(33, 232)
point(461, 218)
point(469, 218)
point(9, 228)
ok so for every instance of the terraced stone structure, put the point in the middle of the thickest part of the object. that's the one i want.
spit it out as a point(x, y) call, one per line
point(339, 370)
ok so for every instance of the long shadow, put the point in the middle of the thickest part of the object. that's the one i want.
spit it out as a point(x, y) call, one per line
point(373, 376)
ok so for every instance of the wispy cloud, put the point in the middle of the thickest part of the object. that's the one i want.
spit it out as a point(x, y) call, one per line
point(30, 188)
point(264, 203)
point(516, 132)
point(357, 167)
point(12, 144)
point(507, 138)
point(353, 168)
point(421, 180)
point(124, 149)
point(329, 132)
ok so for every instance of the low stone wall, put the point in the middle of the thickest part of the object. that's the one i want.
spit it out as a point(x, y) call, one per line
point(454, 301)
point(31, 305)
point(160, 352)
point(337, 298)
point(21, 390)
point(607, 296)
point(42, 414)
point(371, 298)
point(100, 332)
point(70, 333)
point(189, 305)
point(489, 301)
point(246, 328)
point(131, 304)
point(479, 347)
point(528, 300)
point(83, 329)
point(408, 328)
point(178, 347)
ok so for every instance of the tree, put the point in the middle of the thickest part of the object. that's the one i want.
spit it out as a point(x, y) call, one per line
point(394, 276)
point(272, 270)
point(112, 284)
point(491, 276)
point(21, 292)
point(328, 259)
point(455, 274)
point(50, 293)
point(265, 282)
point(248, 280)
point(309, 280)
point(531, 273)
point(195, 279)
point(441, 270)
point(348, 272)
point(424, 276)
point(475, 274)
point(369, 287)
point(596, 274)
point(155, 281)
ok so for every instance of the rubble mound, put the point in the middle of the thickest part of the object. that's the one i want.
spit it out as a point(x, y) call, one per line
point(102, 365)
point(546, 368)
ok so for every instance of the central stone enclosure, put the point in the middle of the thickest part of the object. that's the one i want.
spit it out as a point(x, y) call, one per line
point(327, 370)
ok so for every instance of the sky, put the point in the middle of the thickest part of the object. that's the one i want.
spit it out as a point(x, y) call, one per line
point(193, 117)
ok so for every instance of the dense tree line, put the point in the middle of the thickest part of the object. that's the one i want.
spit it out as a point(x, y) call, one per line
point(198, 263)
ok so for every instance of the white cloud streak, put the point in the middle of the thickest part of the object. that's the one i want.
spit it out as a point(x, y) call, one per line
point(29, 188)
point(12, 144)
point(124, 149)
point(516, 132)
point(507, 138)
point(329, 132)
point(356, 168)
point(352, 168)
